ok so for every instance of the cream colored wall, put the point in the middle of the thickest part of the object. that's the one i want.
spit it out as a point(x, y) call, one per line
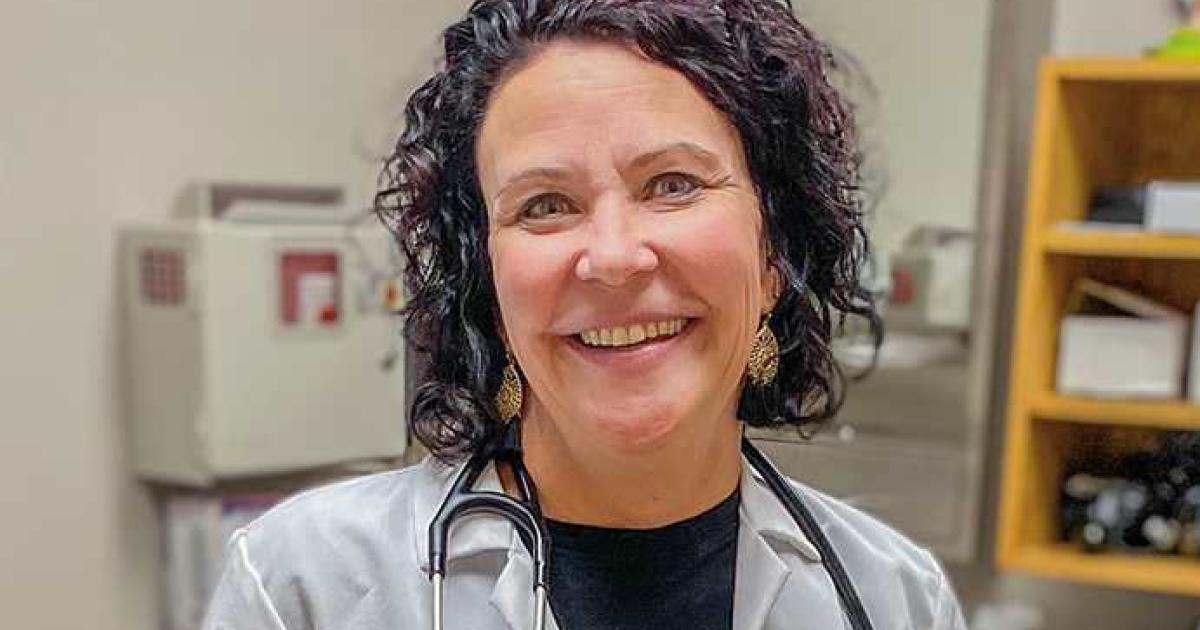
point(927, 58)
point(106, 110)
point(1111, 27)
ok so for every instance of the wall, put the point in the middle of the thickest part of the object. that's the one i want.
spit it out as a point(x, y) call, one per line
point(1111, 27)
point(107, 109)
point(926, 59)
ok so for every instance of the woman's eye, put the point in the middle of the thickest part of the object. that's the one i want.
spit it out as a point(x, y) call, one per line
point(545, 207)
point(672, 185)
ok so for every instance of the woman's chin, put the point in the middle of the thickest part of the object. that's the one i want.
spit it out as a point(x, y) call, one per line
point(637, 431)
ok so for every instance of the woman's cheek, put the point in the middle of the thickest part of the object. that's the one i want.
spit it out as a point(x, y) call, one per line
point(717, 243)
point(526, 269)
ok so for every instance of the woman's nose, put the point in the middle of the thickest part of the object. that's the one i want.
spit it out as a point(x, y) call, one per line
point(616, 250)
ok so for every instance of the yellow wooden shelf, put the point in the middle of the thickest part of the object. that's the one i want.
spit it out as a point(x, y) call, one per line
point(1126, 70)
point(1099, 123)
point(1168, 414)
point(1083, 242)
point(1164, 574)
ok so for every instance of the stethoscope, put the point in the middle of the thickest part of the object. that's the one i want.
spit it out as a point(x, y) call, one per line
point(525, 516)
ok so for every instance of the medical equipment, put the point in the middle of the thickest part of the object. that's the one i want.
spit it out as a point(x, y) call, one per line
point(931, 281)
point(525, 516)
point(257, 344)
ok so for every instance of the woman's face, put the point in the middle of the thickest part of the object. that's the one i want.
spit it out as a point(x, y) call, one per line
point(625, 245)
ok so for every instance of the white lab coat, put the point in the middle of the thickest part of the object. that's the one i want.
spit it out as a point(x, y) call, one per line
point(352, 556)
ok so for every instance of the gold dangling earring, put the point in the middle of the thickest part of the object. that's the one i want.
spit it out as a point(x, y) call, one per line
point(764, 356)
point(512, 392)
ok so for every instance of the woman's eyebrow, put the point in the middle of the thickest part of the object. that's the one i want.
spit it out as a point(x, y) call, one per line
point(538, 173)
point(707, 158)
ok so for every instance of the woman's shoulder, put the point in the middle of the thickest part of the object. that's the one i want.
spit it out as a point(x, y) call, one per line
point(353, 499)
point(367, 500)
point(350, 520)
point(870, 536)
point(888, 566)
point(315, 559)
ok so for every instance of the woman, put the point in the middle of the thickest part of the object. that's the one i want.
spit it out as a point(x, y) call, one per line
point(629, 226)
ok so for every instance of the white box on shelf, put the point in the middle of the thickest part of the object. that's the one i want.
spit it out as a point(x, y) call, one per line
point(1173, 207)
point(1121, 357)
point(1141, 354)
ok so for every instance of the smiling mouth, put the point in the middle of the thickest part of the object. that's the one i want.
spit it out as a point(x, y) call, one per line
point(632, 335)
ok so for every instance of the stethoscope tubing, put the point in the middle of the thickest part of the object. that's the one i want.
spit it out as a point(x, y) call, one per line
point(526, 518)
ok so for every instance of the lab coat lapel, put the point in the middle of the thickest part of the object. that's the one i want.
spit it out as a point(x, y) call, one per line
point(513, 593)
point(762, 571)
point(758, 579)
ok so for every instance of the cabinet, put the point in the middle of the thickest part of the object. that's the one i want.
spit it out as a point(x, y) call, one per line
point(1098, 123)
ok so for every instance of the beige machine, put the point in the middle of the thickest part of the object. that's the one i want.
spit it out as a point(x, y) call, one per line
point(261, 346)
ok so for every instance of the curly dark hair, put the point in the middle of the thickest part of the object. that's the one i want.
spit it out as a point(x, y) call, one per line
point(756, 63)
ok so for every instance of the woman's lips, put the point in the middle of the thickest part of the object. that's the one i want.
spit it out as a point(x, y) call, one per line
point(640, 355)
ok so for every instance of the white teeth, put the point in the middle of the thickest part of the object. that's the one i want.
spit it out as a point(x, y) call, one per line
point(618, 336)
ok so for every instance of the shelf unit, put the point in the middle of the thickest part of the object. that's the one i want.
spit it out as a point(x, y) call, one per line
point(1099, 123)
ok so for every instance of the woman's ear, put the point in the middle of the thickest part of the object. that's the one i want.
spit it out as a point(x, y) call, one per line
point(772, 287)
point(501, 332)
point(504, 339)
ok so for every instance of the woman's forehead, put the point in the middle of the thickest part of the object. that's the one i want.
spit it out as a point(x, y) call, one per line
point(579, 98)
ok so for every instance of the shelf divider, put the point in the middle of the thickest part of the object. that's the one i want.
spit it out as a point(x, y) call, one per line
point(1151, 414)
point(1163, 574)
point(1121, 244)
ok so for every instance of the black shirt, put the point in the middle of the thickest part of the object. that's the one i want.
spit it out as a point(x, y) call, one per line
point(675, 577)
